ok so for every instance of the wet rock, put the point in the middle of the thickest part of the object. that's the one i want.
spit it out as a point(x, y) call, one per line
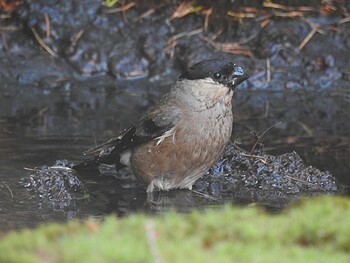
point(153, 42)
point(89, 38)
point(200, 185)
point(286, 173)
point(188, 55)
point(65, 18)
point(293, 85)
point(279, 36)
point(128, 66)
point(87, 54)
point(57, 186)
point(25, 70)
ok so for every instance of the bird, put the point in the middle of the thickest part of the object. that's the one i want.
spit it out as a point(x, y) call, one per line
point(179, 139)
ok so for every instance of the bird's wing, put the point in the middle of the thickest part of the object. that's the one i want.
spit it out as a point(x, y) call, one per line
point(153, 124)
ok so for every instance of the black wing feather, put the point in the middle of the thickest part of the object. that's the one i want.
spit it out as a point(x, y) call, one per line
point(147, 128)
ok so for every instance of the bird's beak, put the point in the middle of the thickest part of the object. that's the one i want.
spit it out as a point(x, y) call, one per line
point(238, 75)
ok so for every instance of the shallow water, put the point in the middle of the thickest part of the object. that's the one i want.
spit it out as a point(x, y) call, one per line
point(20, 207)
point(55, 108)
point(56, 134)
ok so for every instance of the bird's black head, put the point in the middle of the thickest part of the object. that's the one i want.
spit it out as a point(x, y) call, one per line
point(220, 71)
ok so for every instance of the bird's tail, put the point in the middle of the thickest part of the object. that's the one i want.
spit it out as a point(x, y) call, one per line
point(86, 165)
point(95, 162)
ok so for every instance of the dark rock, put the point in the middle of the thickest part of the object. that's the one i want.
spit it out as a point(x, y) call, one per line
point(286, 173)
point(57, 186)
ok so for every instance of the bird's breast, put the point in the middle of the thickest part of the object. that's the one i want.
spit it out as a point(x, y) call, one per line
point(186, 151)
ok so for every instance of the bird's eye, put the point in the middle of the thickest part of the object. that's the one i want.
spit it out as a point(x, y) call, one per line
point(217, 75)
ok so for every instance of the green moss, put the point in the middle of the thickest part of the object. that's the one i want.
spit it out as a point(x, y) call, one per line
point(315, 230)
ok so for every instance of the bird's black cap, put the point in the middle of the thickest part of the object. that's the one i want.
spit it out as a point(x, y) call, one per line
point(221, 71)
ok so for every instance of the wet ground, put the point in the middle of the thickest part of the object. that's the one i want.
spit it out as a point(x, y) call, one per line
point(73, 75)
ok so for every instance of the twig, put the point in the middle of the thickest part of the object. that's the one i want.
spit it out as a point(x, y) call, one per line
point(231, 48)
point(94, 137)
point(306, 128)
point(76, 37)
point(235, 144)
point(247, 39)
point(172, 40)
point(268, 70)
point(5, 16)
point(38, 114)
point(31, 169)
point(48, 25)
point(205, 195)
point(241, 15)
point(289, 14)
point(267, 109)
point(9, 190)
point(343, 20)
point(256, 157)
point(121, 9)
point(259, 137)
point(145, 14)
point(184, 9)
point(186, 34)
point(314, 28)
point(9, 28)
point(264, 22)
point(42, 43)
point(313, 25)
point(272, 5)
point(4, 41)
point(308, 37)
point(207, 14)
point(61, 168)
point(305, 182)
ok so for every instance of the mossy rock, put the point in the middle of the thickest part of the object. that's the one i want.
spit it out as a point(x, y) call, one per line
point(315, 230)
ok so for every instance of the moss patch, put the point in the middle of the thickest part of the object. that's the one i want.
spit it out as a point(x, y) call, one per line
point(315, 230)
